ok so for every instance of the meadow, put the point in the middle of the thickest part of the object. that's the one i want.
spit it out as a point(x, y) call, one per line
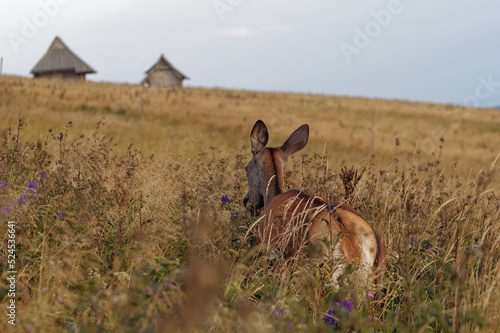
point(129, 215)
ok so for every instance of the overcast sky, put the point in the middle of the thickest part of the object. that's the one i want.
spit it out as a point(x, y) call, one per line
point(445, 51)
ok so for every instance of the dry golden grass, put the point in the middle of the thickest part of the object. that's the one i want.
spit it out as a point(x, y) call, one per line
point(192, 120)
point(109, 239)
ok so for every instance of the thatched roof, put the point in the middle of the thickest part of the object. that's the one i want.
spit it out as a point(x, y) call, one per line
point(60, 58)
point(163, 65)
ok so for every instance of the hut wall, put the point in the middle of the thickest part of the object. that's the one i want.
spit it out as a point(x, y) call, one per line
point(61, 76)
point(164, 79)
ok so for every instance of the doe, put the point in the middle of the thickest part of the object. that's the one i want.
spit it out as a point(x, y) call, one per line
point(294, 220)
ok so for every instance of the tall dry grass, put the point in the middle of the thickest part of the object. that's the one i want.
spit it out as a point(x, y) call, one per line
point(192, 120)
point(113, 240)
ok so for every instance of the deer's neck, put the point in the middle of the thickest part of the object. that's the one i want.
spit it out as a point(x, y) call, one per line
point(276, 183)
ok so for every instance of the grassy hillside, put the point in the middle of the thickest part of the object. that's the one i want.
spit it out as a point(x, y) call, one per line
point(192, 120)
point(111, 239)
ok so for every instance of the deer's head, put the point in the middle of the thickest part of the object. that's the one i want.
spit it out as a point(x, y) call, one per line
point(265, 169)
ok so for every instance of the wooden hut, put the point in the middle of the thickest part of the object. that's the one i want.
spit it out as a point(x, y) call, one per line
point(60, 63)
point(163, 75)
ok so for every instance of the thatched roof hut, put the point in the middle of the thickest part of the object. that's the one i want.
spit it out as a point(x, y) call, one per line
point(59, 62)
point(163, 75)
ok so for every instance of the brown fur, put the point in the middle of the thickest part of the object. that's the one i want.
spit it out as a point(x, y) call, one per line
point(294, 220)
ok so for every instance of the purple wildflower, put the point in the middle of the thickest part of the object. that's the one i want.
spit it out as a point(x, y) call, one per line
point(338, 306)
point(411, 242)
point(225, 199)
point(290, 325)
point(371, 295)
point(427, 247)
point(347, 305)
point(3, 184)
point(8, 210)
point(22, 199)
point(278, 312)
point(332, 322)
point(59, 298)
point(61, 215)
point(235, 215)
point(32, 187)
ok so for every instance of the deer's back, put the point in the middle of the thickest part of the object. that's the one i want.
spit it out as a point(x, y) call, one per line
point(295, 219)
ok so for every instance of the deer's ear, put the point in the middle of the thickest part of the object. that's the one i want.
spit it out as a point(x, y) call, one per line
point(259, 137)
point(296, 142)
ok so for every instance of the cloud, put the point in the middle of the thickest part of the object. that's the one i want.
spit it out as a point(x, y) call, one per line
point(241, 32)
point(277, 28)
point(250, 32)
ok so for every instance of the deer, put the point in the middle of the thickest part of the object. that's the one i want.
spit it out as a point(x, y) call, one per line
point(292, 221)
